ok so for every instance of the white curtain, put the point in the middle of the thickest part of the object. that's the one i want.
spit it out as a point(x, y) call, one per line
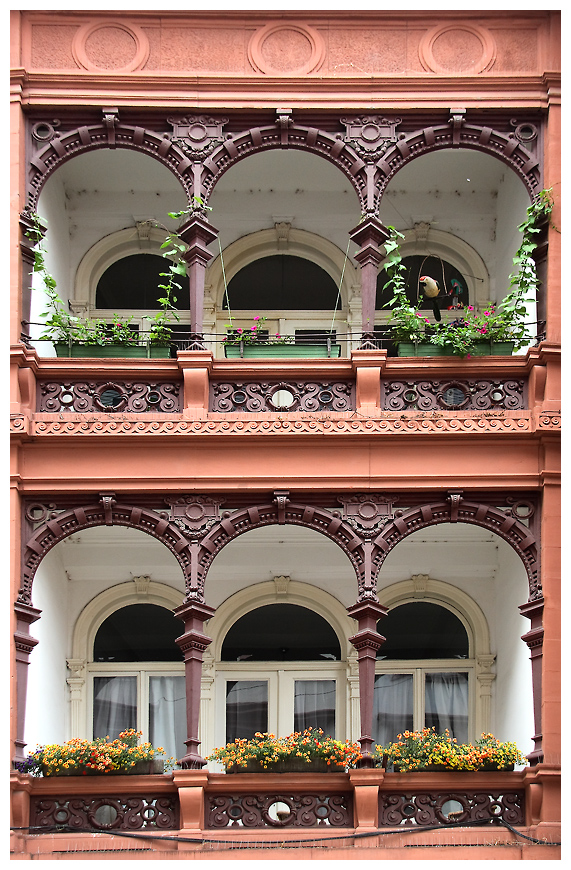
point(246, 708)
point(167, 714)
point(314, 705)
point(392, 707)
point(114, 705)
point(446, 704)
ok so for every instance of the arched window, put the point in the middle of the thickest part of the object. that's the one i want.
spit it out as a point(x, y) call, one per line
point(133, 282)
point(303, 691)
point(425, 673)
point(282, 282)
point(137, 677)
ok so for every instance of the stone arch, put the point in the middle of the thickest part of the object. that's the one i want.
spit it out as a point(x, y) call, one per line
point(280, 512)
point(57, 526)
point(506, 147)
point(106, 135)
point(456, 509)
point(286, 134)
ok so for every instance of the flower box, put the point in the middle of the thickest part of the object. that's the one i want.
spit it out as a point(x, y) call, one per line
point(287, 351)
point(97, 351)
point(288, 765)
point(484, 348)
point(144, 767)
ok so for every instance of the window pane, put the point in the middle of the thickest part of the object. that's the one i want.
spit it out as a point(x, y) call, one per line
point(314, 705)
point(114, 705)
point(246, 708)
point(392, 706)
point(281, 632)
point(421, 630)
point(167, 714)
point(446, 704)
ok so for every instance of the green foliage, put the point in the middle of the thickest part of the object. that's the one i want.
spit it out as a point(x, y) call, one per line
point(252, 335)
point(505, 323)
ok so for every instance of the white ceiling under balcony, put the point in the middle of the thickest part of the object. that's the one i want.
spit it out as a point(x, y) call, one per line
point(464, 192)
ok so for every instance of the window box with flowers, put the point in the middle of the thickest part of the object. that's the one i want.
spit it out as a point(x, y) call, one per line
point(428, 751)
point(99, 757)
point(301, 752)
point(254, 341)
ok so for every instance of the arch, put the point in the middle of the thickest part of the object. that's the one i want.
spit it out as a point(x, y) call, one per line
point(110, 134)
point(283, 134)
point(300, 243)
point(311, 597)
point(104, 253)
point(108, 602)
point(472, 617)
point(456, 509)
point(454, 250)
point(108, 512)
point(282, 511)
point(457, 134)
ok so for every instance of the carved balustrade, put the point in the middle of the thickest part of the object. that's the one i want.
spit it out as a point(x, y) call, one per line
point(109, 395)
point(280, 802)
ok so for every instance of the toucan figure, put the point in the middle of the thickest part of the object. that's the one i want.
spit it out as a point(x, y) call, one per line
point(431, 290)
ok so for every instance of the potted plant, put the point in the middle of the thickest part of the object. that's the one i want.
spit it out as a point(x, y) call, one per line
point(254, 342)
point(99, 757)
point(497, 330)
point(426, 750)
point(302, 751)
point(75, 337)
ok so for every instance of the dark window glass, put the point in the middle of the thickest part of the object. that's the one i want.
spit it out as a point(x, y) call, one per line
point(282, 282)
point(281, 632)
point(139, 633)
point(451, 282)
point(133, 282)
point(421, 630)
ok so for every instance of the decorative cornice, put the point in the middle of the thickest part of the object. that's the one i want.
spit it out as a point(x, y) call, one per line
point(389, 423)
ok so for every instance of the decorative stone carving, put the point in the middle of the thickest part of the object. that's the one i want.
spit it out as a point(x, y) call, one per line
point(467, 395)
point(281, 583)
point(367, 514)
point(109, 396)
point(370, 135)
point(264, 397)
point(197, 135)
point(419, 582)
point(195, 515)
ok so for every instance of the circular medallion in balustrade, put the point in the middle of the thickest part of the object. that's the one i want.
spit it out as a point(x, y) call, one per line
point(111, 46)
point(457, 49)
point(286, 49)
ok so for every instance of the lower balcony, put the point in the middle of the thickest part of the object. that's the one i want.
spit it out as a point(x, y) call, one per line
point(511, 814)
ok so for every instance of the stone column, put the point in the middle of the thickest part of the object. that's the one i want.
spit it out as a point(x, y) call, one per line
point(534, 639)
point(367, 641)
point(370, 235)
point(25, 614)
point(197, 233)
point(193, 643)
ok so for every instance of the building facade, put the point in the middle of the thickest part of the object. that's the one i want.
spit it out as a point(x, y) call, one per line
point(207, 543)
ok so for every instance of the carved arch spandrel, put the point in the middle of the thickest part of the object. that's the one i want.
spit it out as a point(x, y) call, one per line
point(106, 512)
point(368, 177)
point(281, 512)
point(456, 509)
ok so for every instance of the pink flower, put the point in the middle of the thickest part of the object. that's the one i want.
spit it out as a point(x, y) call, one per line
point(470, 307)
point(278, 335)
point(487, 313)
point(239, 329)
point(256, 318)
point(483, 329)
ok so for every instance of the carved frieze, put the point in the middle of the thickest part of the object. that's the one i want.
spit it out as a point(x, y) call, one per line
point(198, 135)
point(109, 396)
point(370, 135)
point(282, 396)
point(461, 394)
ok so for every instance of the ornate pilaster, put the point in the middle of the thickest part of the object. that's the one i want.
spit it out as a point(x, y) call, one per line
point(76, 683)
